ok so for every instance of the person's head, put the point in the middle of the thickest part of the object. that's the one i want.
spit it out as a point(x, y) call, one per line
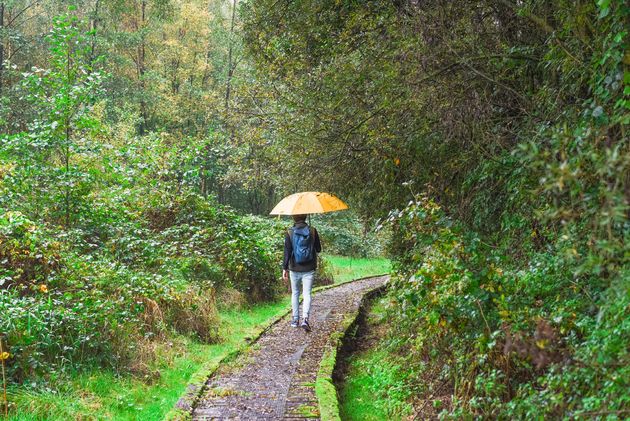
point(299, 218)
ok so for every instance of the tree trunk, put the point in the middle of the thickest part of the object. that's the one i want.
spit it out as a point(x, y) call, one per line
point(66, 148)
point(67, 167)
point(1, 48)
point(230, 69)
point(142, 70)
point(94, 28)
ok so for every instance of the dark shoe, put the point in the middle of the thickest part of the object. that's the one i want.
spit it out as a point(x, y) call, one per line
point(305, 325)
point(295, 322)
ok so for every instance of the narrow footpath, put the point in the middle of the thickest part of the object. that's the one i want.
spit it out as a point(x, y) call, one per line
point(276, 378)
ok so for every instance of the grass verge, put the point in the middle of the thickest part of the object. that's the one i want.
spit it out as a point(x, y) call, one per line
point(325, 388)
point(374, 383)
point(347, 268)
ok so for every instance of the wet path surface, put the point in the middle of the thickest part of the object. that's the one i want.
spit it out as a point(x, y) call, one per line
point(276, 378)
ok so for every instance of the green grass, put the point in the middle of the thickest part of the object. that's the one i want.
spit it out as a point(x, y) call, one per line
point(105, 395)
point(348, 268)
point(374, 386)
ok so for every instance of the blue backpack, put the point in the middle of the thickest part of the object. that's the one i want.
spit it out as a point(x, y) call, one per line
point(302, 241)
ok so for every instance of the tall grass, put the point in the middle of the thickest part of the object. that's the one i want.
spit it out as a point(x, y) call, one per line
point(107, 395)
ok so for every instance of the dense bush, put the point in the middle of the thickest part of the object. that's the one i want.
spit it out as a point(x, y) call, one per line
point(523, 303)
point(27, 256)
point(346, 235)
point(64, 308)
point(224, 249)
point(514, 338)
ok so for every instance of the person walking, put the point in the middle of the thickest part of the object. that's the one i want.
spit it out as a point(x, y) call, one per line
point(301, 245)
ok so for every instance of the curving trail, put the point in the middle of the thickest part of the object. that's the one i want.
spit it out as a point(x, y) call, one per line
point(276, 378)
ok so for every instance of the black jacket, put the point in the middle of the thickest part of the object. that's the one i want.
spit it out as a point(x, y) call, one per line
point(288, 262)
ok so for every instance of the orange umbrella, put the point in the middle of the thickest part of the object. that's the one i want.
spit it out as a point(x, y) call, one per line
point(308, 202)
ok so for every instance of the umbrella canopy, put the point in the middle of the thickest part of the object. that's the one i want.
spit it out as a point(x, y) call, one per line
point(308, 202)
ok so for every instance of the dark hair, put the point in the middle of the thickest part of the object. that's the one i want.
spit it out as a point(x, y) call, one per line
point(299, 218)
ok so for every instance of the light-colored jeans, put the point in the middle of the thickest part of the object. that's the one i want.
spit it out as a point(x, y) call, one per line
point(306, 279)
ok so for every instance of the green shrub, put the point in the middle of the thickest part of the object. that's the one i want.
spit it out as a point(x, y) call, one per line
point(194, 313)
point(99, 294)
point(324, 274)
point(202, 230)
point(513, 340)
point(27, 256)
point(344, 234)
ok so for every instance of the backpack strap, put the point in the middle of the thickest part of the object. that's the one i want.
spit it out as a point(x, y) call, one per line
point(290, 234)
